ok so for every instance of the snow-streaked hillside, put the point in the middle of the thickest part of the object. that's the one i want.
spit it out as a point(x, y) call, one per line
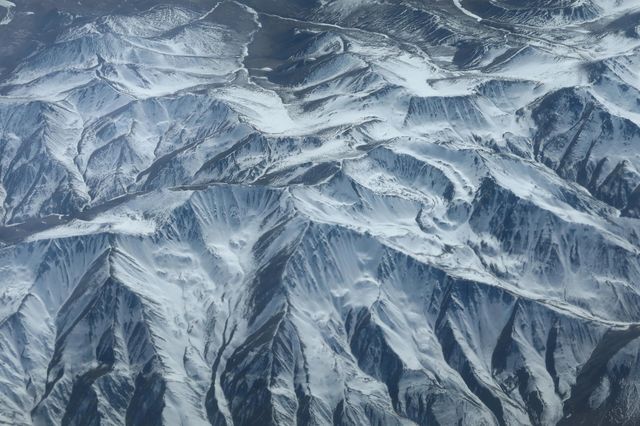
point(348, 212)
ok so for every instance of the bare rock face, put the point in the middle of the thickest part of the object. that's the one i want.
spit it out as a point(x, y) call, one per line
point(343, 212)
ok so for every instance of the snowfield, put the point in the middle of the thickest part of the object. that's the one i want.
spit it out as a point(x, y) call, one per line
point(278, 212)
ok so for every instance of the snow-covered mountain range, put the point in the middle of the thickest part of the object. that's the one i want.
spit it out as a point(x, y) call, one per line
point(315, 212)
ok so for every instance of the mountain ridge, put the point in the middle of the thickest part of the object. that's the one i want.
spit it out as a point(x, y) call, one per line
point(328, 212)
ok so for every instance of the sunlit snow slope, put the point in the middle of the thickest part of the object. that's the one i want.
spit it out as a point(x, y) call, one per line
point(299, 212)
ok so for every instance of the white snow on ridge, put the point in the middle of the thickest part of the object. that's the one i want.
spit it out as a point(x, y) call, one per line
point(120, 224)
point(9, 6)
point(458, 4)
